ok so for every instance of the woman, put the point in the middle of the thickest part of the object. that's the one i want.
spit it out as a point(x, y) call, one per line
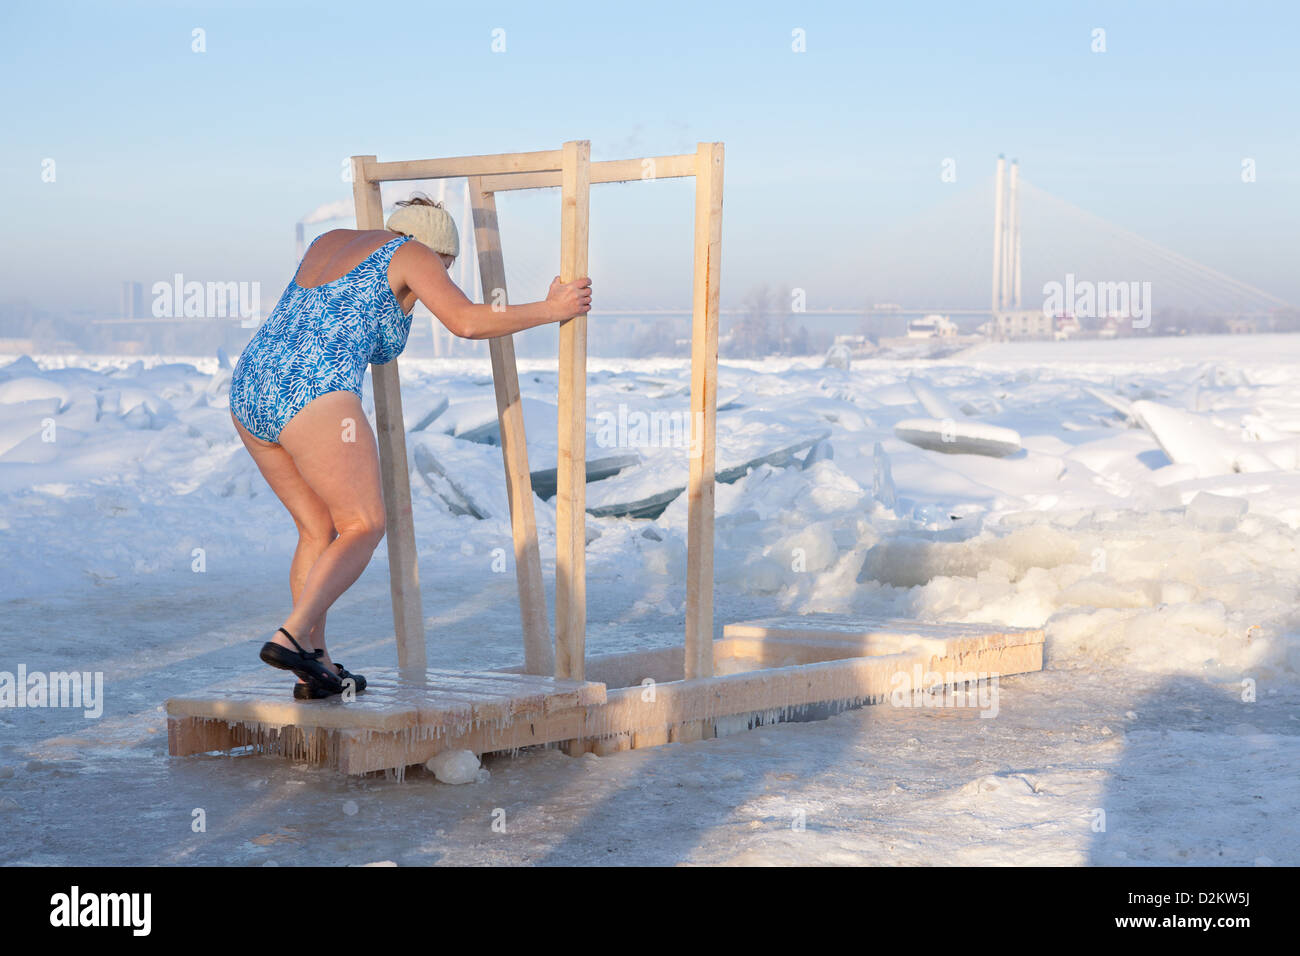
point(295, 398)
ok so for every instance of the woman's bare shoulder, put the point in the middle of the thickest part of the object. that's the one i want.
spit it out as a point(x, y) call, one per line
point(341, 237)
point(414, 255)
point(337, 252)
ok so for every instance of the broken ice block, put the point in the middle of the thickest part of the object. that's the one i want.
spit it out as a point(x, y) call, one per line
point(454, 766)
point(882, 479)
point(1211, 512)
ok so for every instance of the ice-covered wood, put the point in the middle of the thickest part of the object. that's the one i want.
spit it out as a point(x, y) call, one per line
point(770, 669)
point(570, 168)
point(456, 166)
point(571, 469)
point(395, 474)
point(765, 669)
point(445, 699)
point(539, 649)
point(704, 409)
point(608, 171)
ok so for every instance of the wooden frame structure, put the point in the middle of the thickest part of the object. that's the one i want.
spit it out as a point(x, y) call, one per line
point(758, 672)
point(572, 170)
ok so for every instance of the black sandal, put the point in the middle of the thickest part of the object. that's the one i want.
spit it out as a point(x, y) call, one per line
point(310, 690)
point(305, 665)
point(356, 678)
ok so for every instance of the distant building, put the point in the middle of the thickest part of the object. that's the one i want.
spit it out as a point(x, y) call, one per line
point(132, 306)
point(1067, 327)
point(1023, 324)
point(858, 345)
point(931, 327)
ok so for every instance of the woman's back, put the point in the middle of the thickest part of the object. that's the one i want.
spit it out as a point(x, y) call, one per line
point(338, 315)
point(334, 254)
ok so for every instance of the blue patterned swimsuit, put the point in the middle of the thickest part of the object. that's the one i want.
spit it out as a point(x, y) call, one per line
point(319, 340)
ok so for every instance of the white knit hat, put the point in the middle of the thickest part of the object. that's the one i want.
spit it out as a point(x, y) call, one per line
point(431, 225)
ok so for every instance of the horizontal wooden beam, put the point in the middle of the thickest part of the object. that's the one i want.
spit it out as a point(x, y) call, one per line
point(443, 699)
point(679, 711)
point(539, 162)
point(847, 681)
point(608, 171)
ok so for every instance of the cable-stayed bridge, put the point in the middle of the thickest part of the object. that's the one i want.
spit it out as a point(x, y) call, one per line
point(1037, 237)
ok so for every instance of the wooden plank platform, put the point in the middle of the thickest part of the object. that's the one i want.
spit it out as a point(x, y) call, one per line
point(809, 638)
point(261, 713)
point(773, 668)
point(767, 670)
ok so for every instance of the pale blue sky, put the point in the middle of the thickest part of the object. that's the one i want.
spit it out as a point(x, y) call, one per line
point(172, 161)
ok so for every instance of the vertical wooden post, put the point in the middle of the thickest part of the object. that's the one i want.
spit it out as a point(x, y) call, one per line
point(704, 407)
point(403, 571)
point(539, 652)
point(571, 493)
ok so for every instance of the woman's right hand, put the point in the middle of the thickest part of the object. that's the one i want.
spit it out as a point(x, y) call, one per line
point(567, 299)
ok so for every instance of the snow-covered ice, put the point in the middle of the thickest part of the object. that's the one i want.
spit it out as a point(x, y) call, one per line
point(1149, 524)
point(454, 766)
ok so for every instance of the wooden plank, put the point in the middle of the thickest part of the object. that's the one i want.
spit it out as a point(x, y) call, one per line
point(868, 637)
point(395, 472)
point(690, 731)
point(730, 653)
point(571, 479)
point(631, 667)
point(650, 737)
point(359, 752)
point(607, 171)
point(379, 708)
point(850, 680)
point(848, 626)
point(529, 694)
point(704, 396)
point(785, 642)
point(190, 735)
point(450, 698)
point(734, 654)
point(455, 166)
point(590, 692)
point(539, 649)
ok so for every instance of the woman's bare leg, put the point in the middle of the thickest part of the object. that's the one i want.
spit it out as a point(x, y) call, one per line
point(334, 451)
point(304, 556)
point(309, 513)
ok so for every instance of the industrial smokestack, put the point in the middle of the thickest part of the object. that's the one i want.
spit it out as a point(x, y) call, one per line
point(1009, 221)
point(1012, 227)
point(999, 202)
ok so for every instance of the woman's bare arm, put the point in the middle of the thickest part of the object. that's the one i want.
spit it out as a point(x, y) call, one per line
point(422, 271)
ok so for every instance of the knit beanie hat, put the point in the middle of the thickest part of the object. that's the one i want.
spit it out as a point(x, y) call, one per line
point(431, 225)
